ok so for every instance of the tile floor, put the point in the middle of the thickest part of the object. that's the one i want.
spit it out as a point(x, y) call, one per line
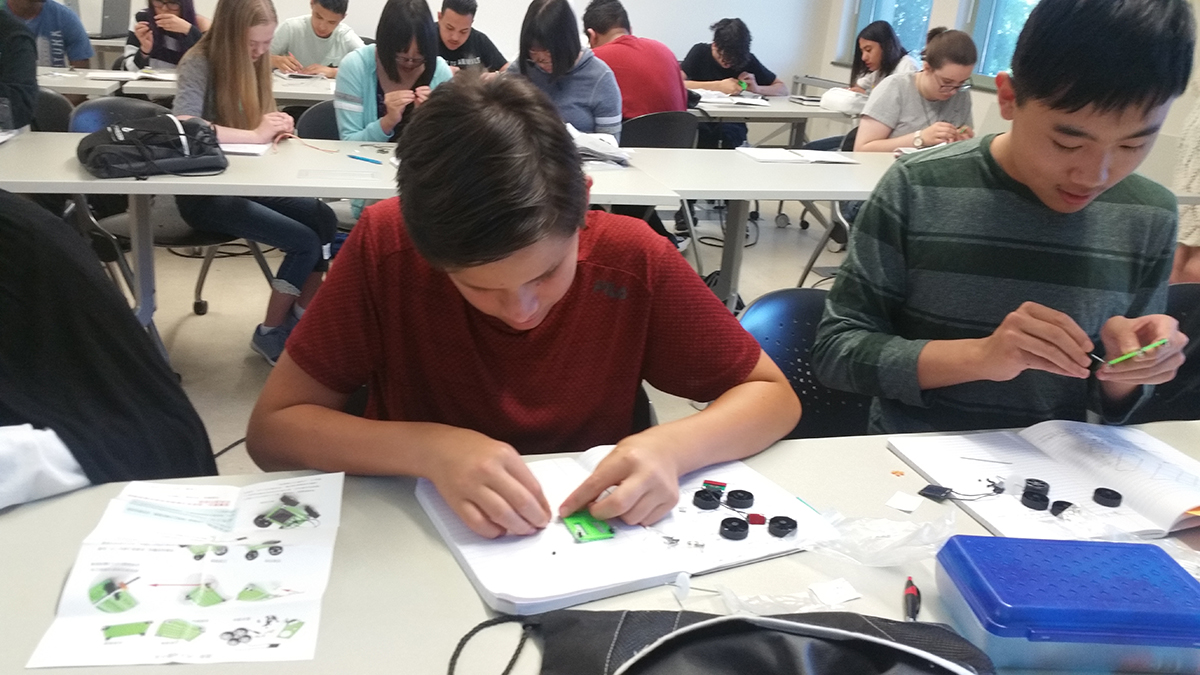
point(223, 377)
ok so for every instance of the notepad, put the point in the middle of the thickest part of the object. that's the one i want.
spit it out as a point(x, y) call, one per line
point(254, 149)
point(550, 570)
point(129, 75)
point(1159, 485)
point(786, 156)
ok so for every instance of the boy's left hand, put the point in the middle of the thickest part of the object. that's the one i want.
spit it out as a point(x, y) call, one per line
point(1121, 336)
point(646, 479)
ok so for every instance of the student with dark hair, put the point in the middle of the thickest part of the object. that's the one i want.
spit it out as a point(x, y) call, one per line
point(85, 397)
point(465, 305)
point(61, 39)
point(316, 43)
point(925, 108)
point(226, 79)
point(982, 276)
point(162, 33)
point(460, 43)
point(878, 54)
point(18, 70)
point(646, 70)
point(727, 65)
point(380, 85)
point(582, 86)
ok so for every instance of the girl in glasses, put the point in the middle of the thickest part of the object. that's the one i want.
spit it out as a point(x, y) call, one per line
point(926, 108)
point(162, 33)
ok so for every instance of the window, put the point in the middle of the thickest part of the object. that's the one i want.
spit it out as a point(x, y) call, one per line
point(997, 24)
point(910, 19)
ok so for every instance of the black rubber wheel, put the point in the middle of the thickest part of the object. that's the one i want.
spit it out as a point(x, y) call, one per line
point(200, 307)
point(221, 550)
point(275, 550)
point(262, 521)
point(753, 216)
point(804, 224)
point(198, 557)
point(251, 555)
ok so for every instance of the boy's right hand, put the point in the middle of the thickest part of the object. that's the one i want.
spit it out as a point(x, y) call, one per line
point(1038, 337)
point(489, 486)
point(286, 62)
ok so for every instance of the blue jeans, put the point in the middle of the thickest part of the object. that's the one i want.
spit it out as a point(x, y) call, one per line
point(299, 226)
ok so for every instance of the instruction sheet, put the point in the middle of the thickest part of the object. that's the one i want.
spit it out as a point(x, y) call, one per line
point(199, 574)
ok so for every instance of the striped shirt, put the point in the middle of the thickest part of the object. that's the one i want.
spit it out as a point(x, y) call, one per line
point(946, 247)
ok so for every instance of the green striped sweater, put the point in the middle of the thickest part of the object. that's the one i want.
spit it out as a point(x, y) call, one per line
point(948, 245)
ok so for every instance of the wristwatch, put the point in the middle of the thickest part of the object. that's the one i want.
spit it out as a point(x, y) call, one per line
point(918, 142)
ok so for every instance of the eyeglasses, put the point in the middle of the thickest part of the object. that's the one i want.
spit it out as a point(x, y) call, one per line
point(169, 4)
point(410, 61)
point(540, 58)
point(951, 85)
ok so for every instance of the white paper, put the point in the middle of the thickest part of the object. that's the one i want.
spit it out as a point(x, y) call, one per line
point(253, 149)
point(199, 574)
point(549, 570)
point(785, 155)
point(835, 592)
point(902, 501)
point(129, 75)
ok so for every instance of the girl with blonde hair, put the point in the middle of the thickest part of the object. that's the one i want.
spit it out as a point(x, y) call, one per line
point(226, 79)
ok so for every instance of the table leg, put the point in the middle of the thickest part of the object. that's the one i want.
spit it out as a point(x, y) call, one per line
point(142, 250)
point(737, 212)
point(799, 130)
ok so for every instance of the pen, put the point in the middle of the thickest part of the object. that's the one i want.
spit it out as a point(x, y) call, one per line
point(912, 600)
point(1138, 352)
point(365, 159)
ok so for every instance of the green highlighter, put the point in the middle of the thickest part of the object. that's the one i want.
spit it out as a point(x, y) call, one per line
point(1138, 352)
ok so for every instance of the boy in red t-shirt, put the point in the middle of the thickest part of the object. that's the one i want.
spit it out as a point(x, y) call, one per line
point(647, 71)
point(491, 315)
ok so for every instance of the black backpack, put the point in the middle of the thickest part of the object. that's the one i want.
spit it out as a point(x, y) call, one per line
point(163, 144)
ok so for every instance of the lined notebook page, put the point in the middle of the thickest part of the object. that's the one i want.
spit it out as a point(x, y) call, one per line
point(1157, 480)
point(965, 463)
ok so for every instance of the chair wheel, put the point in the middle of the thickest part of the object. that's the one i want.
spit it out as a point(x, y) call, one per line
point(200, 307)
point(782, 220)
point(804, 224)
point(753, 216)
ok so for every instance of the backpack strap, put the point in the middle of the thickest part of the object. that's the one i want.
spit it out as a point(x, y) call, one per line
point(526, 629)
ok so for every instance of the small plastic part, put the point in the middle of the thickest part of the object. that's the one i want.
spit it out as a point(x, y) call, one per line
point(1059, 506)
point(586, 528)
point(1035, 500)
point(1107, 497)
point(739, 499)
point(937, 493)
point(781, 526)
point(735, 528)
point(757, 519)
point(1035, 485)
point(706, 499)
point(713, 485)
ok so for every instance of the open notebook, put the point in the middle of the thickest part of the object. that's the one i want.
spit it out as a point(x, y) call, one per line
point(129, 75)
point(550, 570)
point(1159, 485)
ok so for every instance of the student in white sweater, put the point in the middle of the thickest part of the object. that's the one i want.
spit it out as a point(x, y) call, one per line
point(315, 43)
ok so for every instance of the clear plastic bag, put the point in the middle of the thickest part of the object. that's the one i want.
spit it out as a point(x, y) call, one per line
point(879, 542)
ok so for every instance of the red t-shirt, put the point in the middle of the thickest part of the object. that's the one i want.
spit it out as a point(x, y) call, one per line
point(635, 311)
point(647, 73)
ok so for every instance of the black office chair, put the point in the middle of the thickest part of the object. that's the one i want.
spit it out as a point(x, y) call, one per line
point(839, 229)
point(110, 234)
point(1179, 399)
point(785, 323)
point(319, 121)
point(51, 111)
point(668, 129)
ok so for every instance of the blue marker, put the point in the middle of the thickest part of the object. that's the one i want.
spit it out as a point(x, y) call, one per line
point(365, 159)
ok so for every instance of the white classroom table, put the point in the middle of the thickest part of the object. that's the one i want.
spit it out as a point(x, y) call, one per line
point(294, 170)
point(74, 81)
point(310, 91)
point(397, 602)
point(735, 177)
point(778, 111)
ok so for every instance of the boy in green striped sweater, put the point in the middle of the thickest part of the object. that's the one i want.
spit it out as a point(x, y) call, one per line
point(982, 277)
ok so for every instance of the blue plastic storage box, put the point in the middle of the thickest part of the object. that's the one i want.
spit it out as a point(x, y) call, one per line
point(1072, 605)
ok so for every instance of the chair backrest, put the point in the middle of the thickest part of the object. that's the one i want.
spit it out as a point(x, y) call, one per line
point(1179, 399)
point(319, 121)
point(785, 323)
point(848, 140)
point(97, 113)
point(51, 111)
point(671, 129)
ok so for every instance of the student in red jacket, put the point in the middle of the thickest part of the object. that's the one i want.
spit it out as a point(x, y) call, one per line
point(647, 72)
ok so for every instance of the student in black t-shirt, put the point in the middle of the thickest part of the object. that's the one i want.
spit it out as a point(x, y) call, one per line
point(461, 45)
point(726, 65)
